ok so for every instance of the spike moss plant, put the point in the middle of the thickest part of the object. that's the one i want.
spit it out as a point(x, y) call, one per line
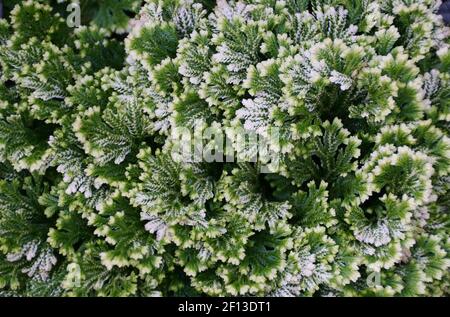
point(94, 203)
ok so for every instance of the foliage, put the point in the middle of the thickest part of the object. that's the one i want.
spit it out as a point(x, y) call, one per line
point(94, 203)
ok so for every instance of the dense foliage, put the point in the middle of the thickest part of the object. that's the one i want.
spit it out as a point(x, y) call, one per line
point(92, 203)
